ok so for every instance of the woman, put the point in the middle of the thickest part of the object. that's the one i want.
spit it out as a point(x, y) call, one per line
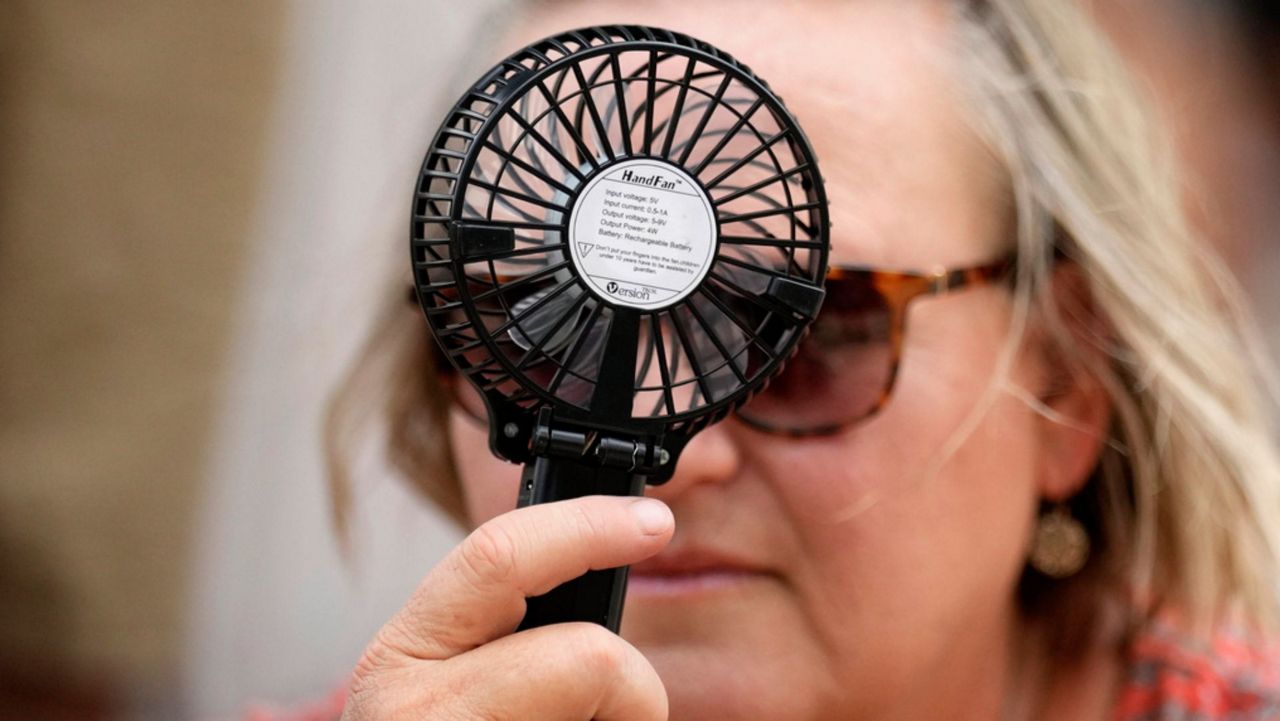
point(1065, 508)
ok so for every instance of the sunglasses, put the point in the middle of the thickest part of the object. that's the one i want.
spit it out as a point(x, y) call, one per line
point(844, 370)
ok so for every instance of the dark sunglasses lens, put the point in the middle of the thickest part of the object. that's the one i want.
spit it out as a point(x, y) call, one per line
point(466, 396)
point(839, 375)
point(841, 371)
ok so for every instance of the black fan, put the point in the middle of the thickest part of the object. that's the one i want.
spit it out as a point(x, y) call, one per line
point(619, 235)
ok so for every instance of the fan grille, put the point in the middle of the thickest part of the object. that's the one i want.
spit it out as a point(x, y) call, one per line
point(490, 231)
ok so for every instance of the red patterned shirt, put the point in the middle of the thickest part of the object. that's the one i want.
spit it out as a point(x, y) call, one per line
point(1172, 677)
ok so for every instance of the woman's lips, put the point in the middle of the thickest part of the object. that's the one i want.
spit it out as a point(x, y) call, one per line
point(687, 584)
point(686, 574)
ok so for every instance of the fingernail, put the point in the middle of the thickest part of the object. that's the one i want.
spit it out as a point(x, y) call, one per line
point(651, 515)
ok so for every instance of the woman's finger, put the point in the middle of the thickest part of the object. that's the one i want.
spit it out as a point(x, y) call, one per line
point(563, 671)
point(477, 593)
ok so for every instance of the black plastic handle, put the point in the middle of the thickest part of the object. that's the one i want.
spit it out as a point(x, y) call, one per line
point(595, 596)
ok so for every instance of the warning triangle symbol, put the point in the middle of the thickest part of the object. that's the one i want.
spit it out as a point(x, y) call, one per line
point(585, 248)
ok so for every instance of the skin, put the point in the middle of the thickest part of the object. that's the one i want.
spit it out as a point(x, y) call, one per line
point(889, 591)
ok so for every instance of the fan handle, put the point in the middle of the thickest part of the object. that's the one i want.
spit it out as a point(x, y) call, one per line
point(595, 596)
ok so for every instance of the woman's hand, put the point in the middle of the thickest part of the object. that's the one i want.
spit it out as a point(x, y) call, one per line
point(450, 653)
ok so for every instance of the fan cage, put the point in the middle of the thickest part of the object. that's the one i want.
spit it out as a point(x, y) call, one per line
point(470, 301)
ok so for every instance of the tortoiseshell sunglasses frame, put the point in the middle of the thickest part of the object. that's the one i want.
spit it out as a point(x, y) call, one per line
point(897, 288)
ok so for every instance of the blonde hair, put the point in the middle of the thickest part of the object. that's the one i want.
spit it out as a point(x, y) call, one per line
point(1186, 498)
point(1184, 505)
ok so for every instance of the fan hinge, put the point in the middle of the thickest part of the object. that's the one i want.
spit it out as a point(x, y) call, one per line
point(593, 447)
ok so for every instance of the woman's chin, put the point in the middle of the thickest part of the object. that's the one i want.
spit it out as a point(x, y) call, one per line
point(728, 654)
point(703, 611)
point(705, 684)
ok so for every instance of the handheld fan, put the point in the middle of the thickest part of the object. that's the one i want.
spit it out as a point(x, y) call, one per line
point(619, 234)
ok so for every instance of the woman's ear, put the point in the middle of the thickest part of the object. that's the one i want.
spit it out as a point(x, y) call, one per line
point(1075, 408)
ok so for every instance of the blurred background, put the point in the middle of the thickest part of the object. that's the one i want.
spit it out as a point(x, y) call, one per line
point(201, 205)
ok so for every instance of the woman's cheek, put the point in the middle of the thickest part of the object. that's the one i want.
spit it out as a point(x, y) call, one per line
point(834, 479)
point(490, 484)
point(888, 456)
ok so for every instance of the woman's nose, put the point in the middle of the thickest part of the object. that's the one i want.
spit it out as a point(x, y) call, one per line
point(711, 456)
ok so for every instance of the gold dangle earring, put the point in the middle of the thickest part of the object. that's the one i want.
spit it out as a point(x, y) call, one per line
point(1060, 546)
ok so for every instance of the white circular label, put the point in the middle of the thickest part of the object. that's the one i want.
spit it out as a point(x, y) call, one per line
point(642, 234)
